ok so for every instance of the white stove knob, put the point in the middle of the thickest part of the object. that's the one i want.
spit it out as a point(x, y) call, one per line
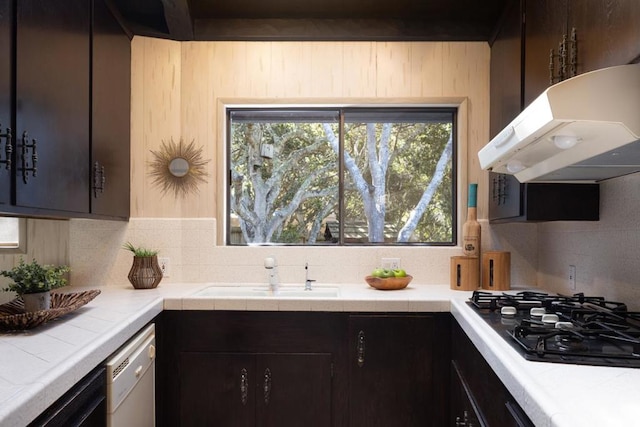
point(551, 319)
point(537, 311)
point(508, 311)
point(564, 325)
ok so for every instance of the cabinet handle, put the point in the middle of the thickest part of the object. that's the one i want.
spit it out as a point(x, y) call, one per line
point(573, 53)
point(244, 386)
point(8, 149)
point(98, 179)
point(360, 349)
point(267, 385)
point(499, 189)
point(465, 422)
point(567, 58)
point(25, 153)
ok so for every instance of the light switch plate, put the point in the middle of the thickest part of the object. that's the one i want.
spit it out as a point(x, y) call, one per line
point(391, 263)
point(572, 277)
point(164, 266)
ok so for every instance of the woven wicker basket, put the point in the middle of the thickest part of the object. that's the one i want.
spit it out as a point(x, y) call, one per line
point(14, 318)
point(145, 272)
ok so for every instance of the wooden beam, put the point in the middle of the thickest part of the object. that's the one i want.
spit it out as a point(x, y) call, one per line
point(178, 19)
point(338, 29)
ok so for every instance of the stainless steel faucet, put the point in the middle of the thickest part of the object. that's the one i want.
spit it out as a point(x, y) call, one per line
point(307, 281)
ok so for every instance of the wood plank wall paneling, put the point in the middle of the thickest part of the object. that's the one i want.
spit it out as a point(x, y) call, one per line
point(179, 90)
point(156, 106)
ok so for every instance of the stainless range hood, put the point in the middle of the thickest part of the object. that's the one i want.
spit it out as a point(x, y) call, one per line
point(586, 128)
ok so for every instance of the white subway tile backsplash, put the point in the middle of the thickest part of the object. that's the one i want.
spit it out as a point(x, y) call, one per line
point(191, 246)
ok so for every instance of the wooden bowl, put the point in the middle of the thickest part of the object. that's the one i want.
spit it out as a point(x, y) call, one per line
point(389, 283)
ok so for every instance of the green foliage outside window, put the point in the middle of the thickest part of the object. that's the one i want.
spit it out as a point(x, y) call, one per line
point(398, 183)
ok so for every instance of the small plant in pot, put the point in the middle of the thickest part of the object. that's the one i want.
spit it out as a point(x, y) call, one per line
point(33, 283)
point(145, 272)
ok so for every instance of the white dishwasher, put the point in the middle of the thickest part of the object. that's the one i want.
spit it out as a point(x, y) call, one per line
point(131, 382)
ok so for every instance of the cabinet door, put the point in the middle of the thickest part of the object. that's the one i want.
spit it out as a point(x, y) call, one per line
point(506, 70)
point(293, 389)
point(463, 407)
point(247, 389)
point(110, 115)
point(545, 23)
point(391, 378)
point(217, 389)
point(6, 40)
point(607, 32)
point(52, 103)
point(304, 352)
point(490, 398)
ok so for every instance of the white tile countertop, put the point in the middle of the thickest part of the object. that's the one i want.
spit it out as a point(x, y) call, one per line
point(40, 365)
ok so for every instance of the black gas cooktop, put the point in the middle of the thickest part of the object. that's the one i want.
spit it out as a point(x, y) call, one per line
point(573, 329)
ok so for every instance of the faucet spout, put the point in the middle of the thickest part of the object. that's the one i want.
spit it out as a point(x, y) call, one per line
point(307, 282)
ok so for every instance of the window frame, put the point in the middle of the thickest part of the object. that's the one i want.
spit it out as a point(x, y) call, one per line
point(445, 107)
point(21, 246)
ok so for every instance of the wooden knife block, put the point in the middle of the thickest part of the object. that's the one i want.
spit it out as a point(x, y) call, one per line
point(465, 273)
point(496, 270)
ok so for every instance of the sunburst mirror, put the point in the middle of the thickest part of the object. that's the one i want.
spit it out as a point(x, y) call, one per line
point(178, 168)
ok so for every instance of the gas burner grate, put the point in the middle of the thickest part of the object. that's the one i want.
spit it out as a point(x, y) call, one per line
point(551, 302)
point(572, 329)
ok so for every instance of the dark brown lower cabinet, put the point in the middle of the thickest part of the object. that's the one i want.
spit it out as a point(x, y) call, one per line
point(240, 368)
point(398, 372)
point(263, 389)
point(477, 394)
point(302, 369)
point(464, 410)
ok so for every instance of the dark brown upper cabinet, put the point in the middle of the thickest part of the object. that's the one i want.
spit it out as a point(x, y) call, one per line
point(6, 115)
point(606, 34)
point(507, 68)
point(53, 42)
point(110, 115)
point(66, 99)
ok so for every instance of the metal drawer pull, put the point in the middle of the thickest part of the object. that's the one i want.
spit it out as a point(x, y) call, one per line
point(360, 349)
point(244, 386)
point(267, 385)
point(34, 157)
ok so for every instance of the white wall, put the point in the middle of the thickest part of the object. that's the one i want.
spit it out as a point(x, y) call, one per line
point(606, 253)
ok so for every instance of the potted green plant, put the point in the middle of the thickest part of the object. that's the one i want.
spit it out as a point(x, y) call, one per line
point(145, 272)
point(33, 283)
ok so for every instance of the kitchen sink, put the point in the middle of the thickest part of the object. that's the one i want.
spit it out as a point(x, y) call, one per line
point(264, 292)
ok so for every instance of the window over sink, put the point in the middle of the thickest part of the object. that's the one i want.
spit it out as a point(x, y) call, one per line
point(341, 176)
